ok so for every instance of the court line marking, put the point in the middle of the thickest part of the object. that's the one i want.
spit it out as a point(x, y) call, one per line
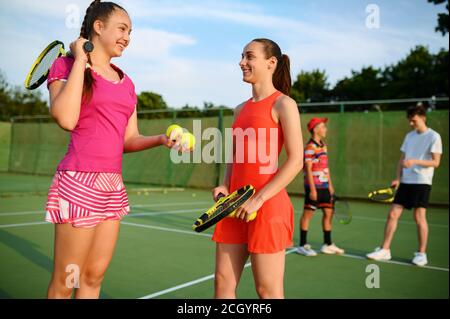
point(394, 262)
point(405, 222)
point(193, 282)
point(207, 202)
point(23, 224)
point(132, 206)
point(166, 229)
point(208, 235)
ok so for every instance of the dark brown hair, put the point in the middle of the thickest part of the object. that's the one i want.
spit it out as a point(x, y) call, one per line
point(282, 76)
point(416, 110)
point(96, 11)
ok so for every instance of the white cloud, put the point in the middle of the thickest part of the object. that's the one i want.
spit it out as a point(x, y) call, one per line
point(155, 59)
point(156, 44)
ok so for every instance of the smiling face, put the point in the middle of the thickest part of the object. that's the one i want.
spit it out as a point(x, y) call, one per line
point(254, 64)
point(114, 33)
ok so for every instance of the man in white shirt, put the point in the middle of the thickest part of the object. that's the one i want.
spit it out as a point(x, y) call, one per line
point(421, 154)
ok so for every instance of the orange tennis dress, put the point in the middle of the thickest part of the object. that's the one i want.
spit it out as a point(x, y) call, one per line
point(256, 139)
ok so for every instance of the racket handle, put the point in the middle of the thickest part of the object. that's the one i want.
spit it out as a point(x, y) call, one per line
point(252, 216)
point(87, 47)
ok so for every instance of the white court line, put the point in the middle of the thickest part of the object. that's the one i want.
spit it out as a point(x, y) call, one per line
point(166, 229)
point(208, 235)
point(193, 282)
point(181, 211)
point(394, 262)
point(400, 221)
point(23, 224)
point(132, 206)
point(383, 220)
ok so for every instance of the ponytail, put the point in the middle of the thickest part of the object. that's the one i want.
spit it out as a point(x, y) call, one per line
point(282, 75)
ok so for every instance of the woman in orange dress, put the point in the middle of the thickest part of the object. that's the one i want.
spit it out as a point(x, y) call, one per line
point(262, 125)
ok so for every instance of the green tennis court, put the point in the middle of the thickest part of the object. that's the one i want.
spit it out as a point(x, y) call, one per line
point(159, 256)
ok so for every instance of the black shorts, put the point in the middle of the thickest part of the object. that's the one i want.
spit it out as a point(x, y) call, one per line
point(412, 195)
point(324, 199)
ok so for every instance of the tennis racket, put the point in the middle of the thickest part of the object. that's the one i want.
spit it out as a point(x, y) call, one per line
point(225, 206)
point(342, 211)
point(385, 195)
point(39, 70)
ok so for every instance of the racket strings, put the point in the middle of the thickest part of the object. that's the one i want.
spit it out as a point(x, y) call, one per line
point(46, 62)
point(382, 195)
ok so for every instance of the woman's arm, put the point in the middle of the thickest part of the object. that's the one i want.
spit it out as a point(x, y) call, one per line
point(65, 97)
point(134, 142)
point(225, 186)
point(289, 118)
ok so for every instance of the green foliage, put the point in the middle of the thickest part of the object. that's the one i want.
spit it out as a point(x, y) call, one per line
point(419, 74)
point(443, 18)
point(16, 101)
point(310, 86)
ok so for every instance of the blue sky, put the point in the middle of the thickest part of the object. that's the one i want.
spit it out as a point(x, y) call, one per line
point(188, 51)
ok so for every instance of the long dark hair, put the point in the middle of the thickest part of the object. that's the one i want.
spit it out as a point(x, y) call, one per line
point(282, 76)
point(96, 11)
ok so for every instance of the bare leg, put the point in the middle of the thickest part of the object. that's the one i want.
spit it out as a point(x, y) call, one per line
point(230, 261)
point(305, 219)
point(327, 219)
point(268, 273)
point(391, 225)
point(71, 249)
point(422, 227)
point(100, 255)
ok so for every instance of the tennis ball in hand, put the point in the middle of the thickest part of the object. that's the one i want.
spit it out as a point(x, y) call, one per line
point(173, 131)
point(188, 141)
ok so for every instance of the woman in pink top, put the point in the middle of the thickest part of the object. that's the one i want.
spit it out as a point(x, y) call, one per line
point(96, 101)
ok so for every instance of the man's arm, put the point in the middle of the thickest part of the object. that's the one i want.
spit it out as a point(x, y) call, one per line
point(398, 174)
point(435, 162)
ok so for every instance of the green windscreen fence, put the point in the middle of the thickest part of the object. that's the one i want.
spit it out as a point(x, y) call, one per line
point(364, 149)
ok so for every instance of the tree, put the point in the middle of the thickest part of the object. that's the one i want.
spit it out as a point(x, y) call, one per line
point(413, 76)
point(16, 101)
point(152, 101)
point(364, 85)
point(443, 18)
point(310, 86)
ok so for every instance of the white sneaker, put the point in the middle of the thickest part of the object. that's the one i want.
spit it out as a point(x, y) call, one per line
point(380, 254)
point(306, 251)
point(331, 249)
point(420, 259)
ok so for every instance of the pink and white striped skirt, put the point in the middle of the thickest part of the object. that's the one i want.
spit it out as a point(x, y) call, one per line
point(85, 199)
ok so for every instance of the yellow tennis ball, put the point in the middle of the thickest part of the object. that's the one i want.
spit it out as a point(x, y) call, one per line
point(176, 129)
point(188, 141)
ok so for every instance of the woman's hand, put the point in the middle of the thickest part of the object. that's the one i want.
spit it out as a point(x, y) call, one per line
point(245, 211)
point(220, 189)
point(76, 48)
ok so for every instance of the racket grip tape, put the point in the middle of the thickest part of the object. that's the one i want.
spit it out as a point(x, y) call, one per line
point(87, 47)
point(252, 216)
